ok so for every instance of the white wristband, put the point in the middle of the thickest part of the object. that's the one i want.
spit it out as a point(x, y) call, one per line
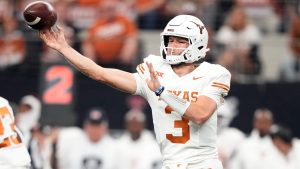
point(177, 104)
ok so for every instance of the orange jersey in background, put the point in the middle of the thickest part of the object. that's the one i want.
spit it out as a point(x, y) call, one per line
point(89, 2)
point(108, 36)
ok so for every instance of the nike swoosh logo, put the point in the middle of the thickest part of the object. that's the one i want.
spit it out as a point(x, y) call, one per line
point(196, 78)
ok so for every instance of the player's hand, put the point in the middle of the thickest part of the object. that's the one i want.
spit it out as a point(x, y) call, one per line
point(153, 83)
point(54, 38)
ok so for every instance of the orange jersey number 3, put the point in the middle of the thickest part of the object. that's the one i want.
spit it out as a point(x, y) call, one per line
point(183, 124)
point(7, 123)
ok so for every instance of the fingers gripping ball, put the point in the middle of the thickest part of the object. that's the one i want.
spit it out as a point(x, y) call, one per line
point(40, 15)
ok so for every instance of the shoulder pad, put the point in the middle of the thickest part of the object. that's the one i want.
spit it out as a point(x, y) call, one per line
point(142, 68)
point(215, 70)
point(153, 59)
point(3, 101)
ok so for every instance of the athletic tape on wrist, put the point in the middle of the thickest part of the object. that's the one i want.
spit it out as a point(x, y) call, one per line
point(177, 104)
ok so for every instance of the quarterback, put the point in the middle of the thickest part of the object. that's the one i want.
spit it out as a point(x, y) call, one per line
point(13, 152)
point(183, 91)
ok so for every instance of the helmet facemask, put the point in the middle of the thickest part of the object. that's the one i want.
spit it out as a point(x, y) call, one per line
point(170, 57)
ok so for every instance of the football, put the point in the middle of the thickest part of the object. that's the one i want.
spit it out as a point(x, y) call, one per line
point(40, 15)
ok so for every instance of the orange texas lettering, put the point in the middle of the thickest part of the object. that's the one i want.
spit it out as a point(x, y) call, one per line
point(190, 96)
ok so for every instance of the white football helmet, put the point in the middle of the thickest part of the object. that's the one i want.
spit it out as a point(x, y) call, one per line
point(189, 27)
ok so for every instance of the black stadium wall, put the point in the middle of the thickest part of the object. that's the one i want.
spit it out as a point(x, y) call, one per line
point(281, 98)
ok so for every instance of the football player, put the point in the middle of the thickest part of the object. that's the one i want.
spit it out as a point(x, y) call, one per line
point(89, 147)
point(228, 136)
point(183, 91)
point(137, 140)
point(13, 152)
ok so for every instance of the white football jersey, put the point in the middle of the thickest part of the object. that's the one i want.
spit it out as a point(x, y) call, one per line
point(228, 139)
point(13, 152)
point(181, 140)
point(138, 154)
point(255, 152)
point(76, 151)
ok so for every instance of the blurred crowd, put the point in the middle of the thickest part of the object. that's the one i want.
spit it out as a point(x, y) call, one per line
point(108, 32)
point(268, 145)
point(95, 145)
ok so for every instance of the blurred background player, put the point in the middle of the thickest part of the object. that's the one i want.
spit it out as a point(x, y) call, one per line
point(290, 65)
point(42, 147)
point(12, 47)
point(87, 148)
point(287, 148)
point(112, 39)
point(238, 41)
point(228, 137)
point(13, 152)
point(257, 147)
point(28, 115)
point(137, 146)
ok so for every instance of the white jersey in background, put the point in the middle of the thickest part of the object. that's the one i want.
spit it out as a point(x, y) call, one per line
point(228, 140)
point(76, 151)
point(13, 152)
point(139, 154)
point(181, 140)
point(255, 152)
